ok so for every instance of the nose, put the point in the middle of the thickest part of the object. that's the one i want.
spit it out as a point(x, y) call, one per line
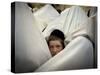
point(55, 50)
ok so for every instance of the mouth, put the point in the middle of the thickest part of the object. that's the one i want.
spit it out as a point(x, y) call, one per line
point(53, 53)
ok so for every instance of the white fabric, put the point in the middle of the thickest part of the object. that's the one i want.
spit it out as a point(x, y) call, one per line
point(79, 24)
point(31, 49)
point(78, 54)
point(88, 29)
point(73, 22)
point(70, 21)
point(56, 24)
point(45, 15)
point(91, 26)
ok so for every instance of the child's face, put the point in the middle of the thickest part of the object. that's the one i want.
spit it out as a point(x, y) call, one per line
point(55, 47)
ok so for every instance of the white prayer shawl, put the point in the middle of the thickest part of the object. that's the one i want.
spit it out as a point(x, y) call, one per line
point(56, 24)
point(86, 27)
point(45, 15)
point(31, 49)
point(73, 22)
point(68, 21)
point(78, 54)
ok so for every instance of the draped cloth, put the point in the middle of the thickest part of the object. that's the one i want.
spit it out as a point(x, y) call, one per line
point(44, 15)
point(77, 23)
point(31, 49)
point(73, 22)
point(78, 54)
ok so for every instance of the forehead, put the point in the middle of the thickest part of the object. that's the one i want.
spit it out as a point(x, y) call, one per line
point(55, 42)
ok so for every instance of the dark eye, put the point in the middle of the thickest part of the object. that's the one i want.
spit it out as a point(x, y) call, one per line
point(50, 46)
point(58, 46)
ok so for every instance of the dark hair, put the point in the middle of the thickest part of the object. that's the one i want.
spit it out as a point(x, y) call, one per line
point(57, 35)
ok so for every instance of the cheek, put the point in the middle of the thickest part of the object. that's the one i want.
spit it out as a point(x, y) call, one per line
point(59, 48)
point(51, 48)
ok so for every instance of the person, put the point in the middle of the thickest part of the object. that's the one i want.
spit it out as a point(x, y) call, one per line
point(56, 42)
